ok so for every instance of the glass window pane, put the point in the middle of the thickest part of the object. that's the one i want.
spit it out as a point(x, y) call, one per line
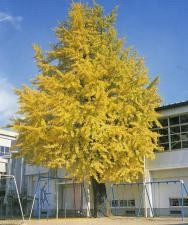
point(184, 118)
point(154, 126)
point(163, 139)
point(185, 201)
point(178, 202)
point(114, 203)
point(7, 150)
point(185, 144)
point(176, 145)
point(184, 128)
point(164, 122)
point(184, 137)
point(174, 120)
point(2, 150)
point(123, 203)
point(175, 137)
point(165, 146)
point(174, 202)
point(131, 203)
point(174, 130)
point(163, 131)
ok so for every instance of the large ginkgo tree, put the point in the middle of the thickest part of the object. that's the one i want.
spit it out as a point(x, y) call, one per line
point(92, 105)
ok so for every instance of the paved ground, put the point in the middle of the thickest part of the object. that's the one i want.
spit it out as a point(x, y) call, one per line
point(101, 221)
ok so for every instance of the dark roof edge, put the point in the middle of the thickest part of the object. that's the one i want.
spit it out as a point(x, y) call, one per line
point(173, 105)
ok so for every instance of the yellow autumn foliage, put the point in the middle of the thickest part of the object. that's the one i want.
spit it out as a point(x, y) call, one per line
point(91, 107)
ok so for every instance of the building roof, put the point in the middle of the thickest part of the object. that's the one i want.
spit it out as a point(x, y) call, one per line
point(8, 133)
point(173, 105)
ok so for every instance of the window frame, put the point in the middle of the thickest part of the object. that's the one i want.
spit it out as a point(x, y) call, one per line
point(4, 150)
point(179, 200)
point(128, 206)
point(183, 142)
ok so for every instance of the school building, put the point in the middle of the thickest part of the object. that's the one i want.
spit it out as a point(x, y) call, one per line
point(161, 192)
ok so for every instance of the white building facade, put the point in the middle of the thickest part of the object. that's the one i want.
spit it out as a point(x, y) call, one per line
point(165, 178)
point(9, 204)
point(172, 164)
point(159, 193)
point(55, 195)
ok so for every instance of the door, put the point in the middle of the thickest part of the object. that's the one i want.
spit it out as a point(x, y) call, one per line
point(71, 199)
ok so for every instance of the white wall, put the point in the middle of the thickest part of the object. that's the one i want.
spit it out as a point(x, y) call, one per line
point(35, 170)
point(168, 160)
point(3, 163)
point(174, 111)
point(126, 192)
point(6, 138)
point(161, 193)
point(5, 142)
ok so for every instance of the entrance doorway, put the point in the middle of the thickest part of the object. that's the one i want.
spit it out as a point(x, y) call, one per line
point(71, 200)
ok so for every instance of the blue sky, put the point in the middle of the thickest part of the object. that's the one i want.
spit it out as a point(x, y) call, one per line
point(158, 29)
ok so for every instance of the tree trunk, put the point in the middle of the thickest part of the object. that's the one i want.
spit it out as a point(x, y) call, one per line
point(99, 197)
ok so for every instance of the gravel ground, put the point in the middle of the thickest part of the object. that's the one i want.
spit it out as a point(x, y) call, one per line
point(101, 221)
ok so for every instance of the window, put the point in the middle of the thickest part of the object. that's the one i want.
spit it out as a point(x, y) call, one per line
point(130, 212)
point(185, 201)
point(165, 146)
point(4, 150)
point(175, 130)
point(123, 203)
point(184, 136)
point(163, 139)
point(7, 150)
point(184, 118)
point(174, 133)
point(115, 203)
point(131, 203)
point(175, 212)
point(175, 145)
point(185, 144)
point(164, 122)
point(184, 128)
point(174, 120)
point(176, 202)
point(175, 137)
point(163, 131)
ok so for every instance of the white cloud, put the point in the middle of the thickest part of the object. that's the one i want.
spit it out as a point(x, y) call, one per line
point(8, 101)
point(14, 20)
